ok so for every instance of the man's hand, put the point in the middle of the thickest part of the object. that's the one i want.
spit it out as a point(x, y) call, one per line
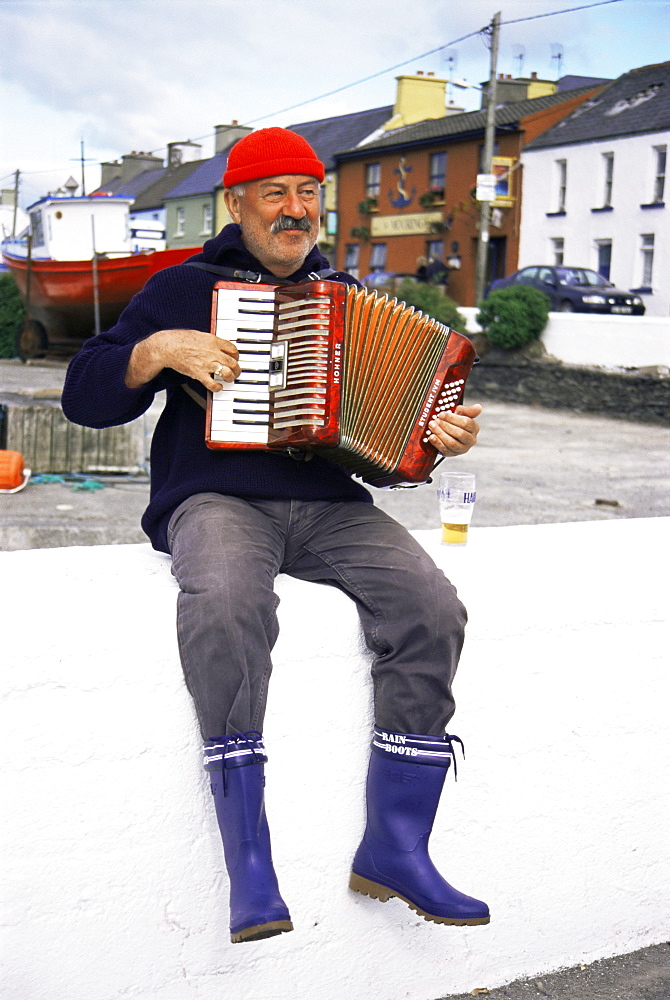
point(455, 433)
point(189, 352)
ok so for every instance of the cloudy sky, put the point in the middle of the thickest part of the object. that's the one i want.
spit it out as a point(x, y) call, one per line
point(125, 75)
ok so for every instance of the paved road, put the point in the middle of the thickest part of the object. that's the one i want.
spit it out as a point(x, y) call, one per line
point(642, 975)
point(532, 466)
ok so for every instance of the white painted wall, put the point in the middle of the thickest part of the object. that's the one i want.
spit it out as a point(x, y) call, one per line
point(608, 341)
point(147, 230)
point(113, 881)
point(601, 341)
point(581, 228)
point(69, 225)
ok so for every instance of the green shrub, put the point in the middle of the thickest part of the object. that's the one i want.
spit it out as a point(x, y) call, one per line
point(513, 317)
point(11, 314)
point(432, 302)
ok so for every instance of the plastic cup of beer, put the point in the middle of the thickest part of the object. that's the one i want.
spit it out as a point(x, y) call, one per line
point(456, 494)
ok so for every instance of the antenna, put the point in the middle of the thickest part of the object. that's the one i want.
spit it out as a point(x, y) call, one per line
point(451, 58)
point(518, 52)
point(557, 54)
point(82, 160)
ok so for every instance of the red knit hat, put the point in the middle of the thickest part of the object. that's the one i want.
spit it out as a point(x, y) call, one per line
point(269, 153)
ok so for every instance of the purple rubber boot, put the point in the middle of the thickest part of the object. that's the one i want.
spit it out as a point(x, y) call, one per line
point(236, 770)
point(404, 784)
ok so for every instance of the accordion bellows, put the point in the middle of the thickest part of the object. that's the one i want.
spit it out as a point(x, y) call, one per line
point(338, 370)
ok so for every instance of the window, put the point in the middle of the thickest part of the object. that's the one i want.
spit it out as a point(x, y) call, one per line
point(438, 173)
point(604, 258)
point(558, 250)
point(435, 250)
point(608, 175)
point(659, 174)
point(351, 255)
point(562, 183)
point(647, 252)
point(527, 274)
point(372, 180)
point(207, 216)
point(378, 257)
point(37, 228)
point(181, 222)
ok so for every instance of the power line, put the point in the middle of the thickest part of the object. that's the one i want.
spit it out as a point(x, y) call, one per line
point(366, 79)
point(423, 55)
point(346, 86)
point(568, 10)
point(382, 72)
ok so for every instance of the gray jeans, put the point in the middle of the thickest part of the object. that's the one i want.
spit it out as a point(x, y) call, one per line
point(226, 553)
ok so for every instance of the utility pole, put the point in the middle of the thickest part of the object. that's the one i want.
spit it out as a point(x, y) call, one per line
point(82, 161)
point(486, 165)
point(16, 202)
point(83, 179)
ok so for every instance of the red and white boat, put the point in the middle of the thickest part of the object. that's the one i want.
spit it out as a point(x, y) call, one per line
point(75, 270)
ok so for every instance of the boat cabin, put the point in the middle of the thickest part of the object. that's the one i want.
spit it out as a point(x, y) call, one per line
point(74, 228)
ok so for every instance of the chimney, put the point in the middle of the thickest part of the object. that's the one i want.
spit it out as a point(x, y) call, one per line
point(135, 163)
point(418, 98)
point(510, 90)
point(226, 135)
point(109, 172)
point(182, 152)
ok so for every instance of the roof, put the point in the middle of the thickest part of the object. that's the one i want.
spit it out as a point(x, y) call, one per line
point(155, 194)
point(459, 126)
point(327, 135)
point(133, 187)
point(203, 179)
point(636, 103)
point(573, 82)
point(82, 199)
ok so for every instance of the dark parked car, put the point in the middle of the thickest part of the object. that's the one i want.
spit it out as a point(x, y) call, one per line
point(575, 289)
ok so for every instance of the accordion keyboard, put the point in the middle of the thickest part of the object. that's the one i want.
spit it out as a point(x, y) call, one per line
point(241, 410)
point(284, 356)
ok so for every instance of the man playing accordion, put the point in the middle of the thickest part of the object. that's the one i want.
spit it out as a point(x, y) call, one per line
point(233, 519)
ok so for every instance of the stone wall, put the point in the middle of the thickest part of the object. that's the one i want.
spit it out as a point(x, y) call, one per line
point(629, 395)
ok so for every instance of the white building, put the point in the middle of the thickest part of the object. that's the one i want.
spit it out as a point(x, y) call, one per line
point(594, 188)
point(13, 220)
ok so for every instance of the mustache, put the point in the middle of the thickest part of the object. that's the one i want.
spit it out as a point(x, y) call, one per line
point(283, 222)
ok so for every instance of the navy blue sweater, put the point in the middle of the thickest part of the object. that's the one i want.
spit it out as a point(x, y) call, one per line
point(95, 395)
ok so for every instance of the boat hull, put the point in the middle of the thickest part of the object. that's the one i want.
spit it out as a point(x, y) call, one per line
point(59, 295)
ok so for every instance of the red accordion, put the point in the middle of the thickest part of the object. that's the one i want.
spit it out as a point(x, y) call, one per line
point(337, 370)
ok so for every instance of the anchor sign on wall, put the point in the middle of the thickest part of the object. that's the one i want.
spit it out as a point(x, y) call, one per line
point(403, 199)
